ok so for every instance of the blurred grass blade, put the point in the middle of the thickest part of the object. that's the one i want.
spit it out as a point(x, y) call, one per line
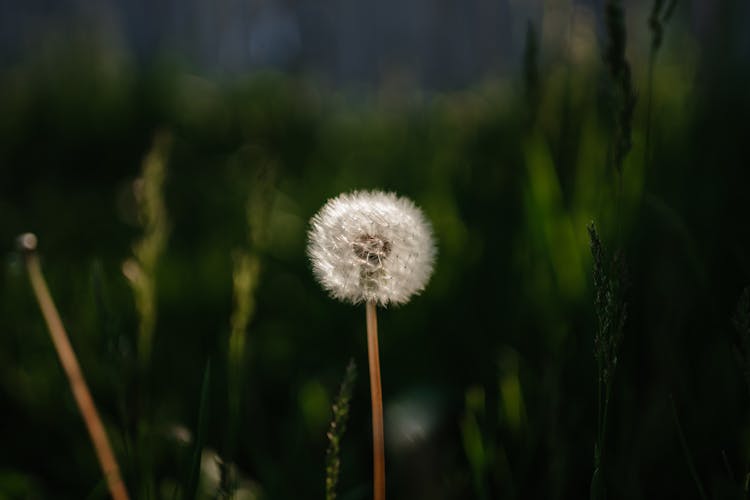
point(686, 451)
point(191, 485)
point(597, 485)
point(473, 441)
point(140, 270)
point(624, 96)
point(246, 270)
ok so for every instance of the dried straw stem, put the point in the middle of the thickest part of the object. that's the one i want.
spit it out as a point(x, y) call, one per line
point(73, 371)
point(376, 392)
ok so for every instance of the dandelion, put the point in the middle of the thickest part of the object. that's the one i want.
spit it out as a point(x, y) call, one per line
point(371, 247)
point(376, 248)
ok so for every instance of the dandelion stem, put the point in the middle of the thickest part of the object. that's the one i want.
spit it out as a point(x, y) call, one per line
point(72, 369)
point(378, 446)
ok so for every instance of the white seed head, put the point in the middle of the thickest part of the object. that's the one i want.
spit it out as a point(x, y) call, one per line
point(371, 246)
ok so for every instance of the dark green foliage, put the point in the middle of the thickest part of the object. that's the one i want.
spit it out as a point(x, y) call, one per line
point(337, 428)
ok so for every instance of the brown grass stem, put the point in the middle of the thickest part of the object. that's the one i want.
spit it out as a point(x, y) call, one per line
point(376, 392)
point(72, 369)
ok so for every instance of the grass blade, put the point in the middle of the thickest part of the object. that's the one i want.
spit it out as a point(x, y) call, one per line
point(686, 451)
point(191, 487)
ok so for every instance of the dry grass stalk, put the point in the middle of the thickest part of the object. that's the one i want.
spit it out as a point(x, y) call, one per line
point(72, 369)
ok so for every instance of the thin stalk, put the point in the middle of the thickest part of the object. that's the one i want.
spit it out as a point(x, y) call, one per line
point(376, 392)
point(649, 98)
point(602, 441)
point(686, 451)
point(619, 203)
point(599, 404)
point(73, 371)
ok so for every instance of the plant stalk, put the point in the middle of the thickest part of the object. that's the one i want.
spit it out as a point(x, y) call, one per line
point(72, 369)
point(376, 392)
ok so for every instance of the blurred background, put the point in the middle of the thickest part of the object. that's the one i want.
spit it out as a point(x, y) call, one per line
point(169, 156)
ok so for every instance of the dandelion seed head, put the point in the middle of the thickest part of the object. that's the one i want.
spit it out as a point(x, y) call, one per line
point(371, 246)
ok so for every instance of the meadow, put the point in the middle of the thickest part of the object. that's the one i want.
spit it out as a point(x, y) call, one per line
point(172, 214)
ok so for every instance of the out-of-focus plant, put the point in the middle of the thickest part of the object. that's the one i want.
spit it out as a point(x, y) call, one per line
point(246, 269)
point(623, 94)
point(140, 270)
point(245, 277)
point(478, 451)
point(609, 274)
point(661, 12)
point(193, 476)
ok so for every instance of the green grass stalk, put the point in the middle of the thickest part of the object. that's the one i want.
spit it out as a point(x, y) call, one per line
point(140, 270)
point(337, 428)
point(245, 280)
